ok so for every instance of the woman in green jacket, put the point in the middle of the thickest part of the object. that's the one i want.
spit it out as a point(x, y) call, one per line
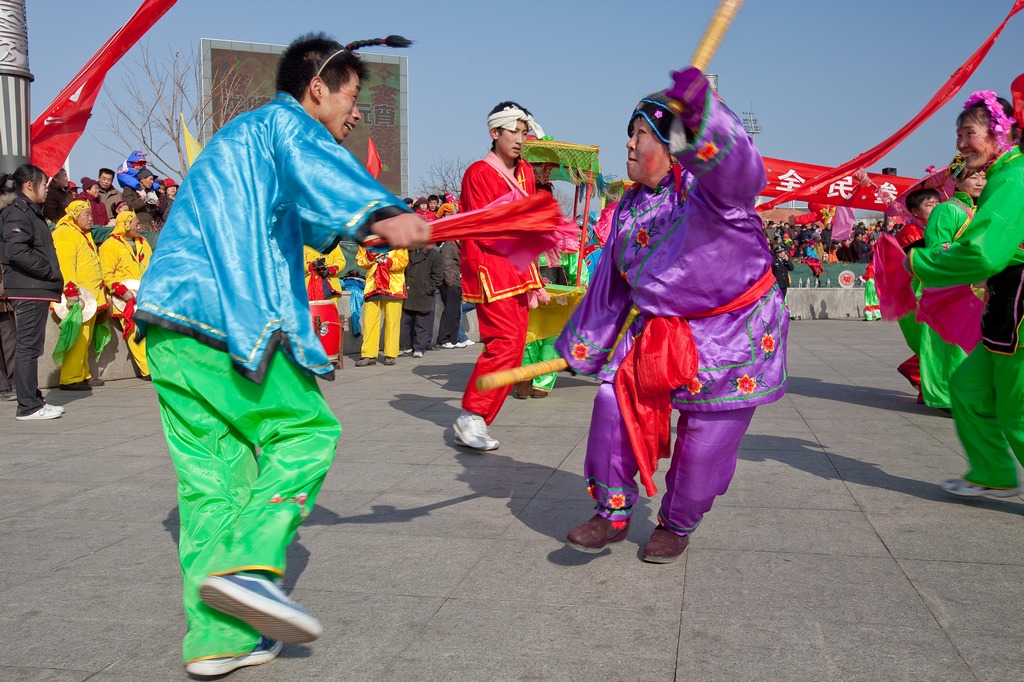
point(987, 391)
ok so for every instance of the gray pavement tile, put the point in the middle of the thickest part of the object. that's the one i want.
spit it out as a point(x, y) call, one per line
point(62, 643)
point(468, 514)
point(97, 468)
point(348, 475)
point(387, 563)
point(779, 587)
point(22, 497)
point(126, 500)
point(58, 441)
point(724, 649)
point(151, 553)
point(990, 655)
point(789, 531)
point(987, 531)
point(43, 674)
point(127, 598)
point(976, 597)
point(544, 571)
point(494, 640)
point(452, 479)
point(804, 479)
point(881, 481)
point(34, 544)
point(362, 635)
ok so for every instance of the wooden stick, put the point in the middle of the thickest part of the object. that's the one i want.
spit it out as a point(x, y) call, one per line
point(509, 377)
point(719, 24)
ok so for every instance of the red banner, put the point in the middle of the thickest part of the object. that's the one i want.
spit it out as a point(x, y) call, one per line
point(948, 90)
point(58, 128)
point(789, 179)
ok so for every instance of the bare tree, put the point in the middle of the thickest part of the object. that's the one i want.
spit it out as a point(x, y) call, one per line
point(443, 175)
point(146, 113)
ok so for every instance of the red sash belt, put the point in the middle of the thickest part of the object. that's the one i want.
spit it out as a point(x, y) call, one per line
point(664, 357)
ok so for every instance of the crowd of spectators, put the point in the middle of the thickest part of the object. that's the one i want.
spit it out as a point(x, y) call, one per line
point(813, 244)
point(49, 254)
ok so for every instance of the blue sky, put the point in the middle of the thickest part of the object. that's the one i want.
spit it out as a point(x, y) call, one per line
point(826, 80)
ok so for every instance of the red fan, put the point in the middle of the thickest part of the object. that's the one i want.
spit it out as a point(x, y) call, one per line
point(517, 230)
point(892, 282)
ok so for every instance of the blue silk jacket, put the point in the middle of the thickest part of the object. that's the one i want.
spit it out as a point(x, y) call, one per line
point(228, 268)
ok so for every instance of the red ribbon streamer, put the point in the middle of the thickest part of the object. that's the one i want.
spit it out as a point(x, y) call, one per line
point(947, 92)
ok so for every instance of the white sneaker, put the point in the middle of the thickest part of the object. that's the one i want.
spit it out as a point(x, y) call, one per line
point(471, 431)
point(405, 351)
point(265, 651)
point(59, 408)
point(448, 345)
point(962, 488)
point(417, 354)
point(468, 342)
point(44, 412)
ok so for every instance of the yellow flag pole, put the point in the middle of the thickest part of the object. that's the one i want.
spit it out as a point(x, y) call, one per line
point(719, 24)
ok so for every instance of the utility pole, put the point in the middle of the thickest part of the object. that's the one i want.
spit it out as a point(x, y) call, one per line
point(14, 86)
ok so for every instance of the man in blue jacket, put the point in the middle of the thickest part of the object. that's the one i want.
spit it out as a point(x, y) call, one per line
point(233, 355)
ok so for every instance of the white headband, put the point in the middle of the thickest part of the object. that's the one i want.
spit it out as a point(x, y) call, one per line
point(509, 118)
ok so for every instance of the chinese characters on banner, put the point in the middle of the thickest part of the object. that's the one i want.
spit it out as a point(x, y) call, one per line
point(790, 176)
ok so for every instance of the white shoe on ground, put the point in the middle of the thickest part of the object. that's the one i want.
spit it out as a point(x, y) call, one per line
point(405, 351)
point(265, 651)
point(448, 345)
point(962, 488)
point(44, 412)
point(417, 354)
point(59, 408)
point(471, 431)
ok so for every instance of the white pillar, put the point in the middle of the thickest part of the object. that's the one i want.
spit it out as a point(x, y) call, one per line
point(14, 86)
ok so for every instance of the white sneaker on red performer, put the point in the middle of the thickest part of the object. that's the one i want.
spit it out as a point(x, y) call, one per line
point(471, 431)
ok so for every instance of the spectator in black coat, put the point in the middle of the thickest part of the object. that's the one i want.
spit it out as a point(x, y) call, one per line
point(58, 195)
point(423, 276)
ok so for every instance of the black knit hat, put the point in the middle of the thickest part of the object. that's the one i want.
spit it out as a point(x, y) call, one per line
point(654, 109)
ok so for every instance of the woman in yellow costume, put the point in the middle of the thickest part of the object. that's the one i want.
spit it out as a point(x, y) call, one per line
point(80, 266)
point(329, 266)
point(125, 257)
point(385, 289)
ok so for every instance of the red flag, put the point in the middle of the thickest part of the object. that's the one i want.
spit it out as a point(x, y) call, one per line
point(947, 92)
point(373, 162)
point(58, 128)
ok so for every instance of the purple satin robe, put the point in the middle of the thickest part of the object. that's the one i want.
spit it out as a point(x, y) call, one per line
point(678, 252)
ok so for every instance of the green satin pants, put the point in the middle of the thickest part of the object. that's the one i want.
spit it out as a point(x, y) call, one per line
point(250, 460)
point(539, 351)
point(988, 407)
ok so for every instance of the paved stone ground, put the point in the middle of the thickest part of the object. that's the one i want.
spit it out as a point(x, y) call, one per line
point(833, 556)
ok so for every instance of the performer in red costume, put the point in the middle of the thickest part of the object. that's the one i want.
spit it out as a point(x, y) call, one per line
point(498, 288)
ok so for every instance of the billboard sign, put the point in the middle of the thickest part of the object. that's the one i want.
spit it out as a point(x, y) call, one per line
point(239, 77)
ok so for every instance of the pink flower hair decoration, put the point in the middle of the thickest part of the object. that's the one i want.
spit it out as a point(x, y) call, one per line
point(1000, 124)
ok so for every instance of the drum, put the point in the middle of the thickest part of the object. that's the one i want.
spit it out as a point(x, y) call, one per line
point(327, 326)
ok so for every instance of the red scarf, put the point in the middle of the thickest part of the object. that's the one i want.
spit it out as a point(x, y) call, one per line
point(663, 358)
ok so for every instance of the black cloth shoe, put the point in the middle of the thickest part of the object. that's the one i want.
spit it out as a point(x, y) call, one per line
point(596, 534)
point(664, 547)
point(366, 362)
point(77, 386)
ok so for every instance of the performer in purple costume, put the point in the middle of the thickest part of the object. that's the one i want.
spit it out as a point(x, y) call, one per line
point(685, 243)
